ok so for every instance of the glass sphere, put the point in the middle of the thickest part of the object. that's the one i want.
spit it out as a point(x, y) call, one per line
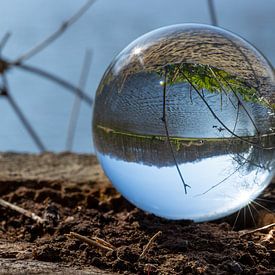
point(184, 123)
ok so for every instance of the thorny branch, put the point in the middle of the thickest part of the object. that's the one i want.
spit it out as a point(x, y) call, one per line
point(52, 37)
point(22, 117)
point(6, 65)
point(57, 80)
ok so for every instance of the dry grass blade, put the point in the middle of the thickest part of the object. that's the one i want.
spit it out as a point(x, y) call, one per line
point(47, 41)
point(22, 211)
point(149, 244)
point(90, 242)
point(103, 242)
point(258, 229)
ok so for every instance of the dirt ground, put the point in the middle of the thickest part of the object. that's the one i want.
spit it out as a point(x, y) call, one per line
point(71, 194)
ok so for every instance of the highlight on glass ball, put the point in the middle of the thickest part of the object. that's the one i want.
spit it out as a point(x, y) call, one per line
point(184, 123)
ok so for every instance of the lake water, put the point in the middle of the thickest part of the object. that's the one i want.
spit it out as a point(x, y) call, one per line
point(105, 29)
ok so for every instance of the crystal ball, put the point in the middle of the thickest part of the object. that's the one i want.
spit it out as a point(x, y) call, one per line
point(184, 123)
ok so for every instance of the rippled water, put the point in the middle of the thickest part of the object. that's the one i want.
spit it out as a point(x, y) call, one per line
point(138, 109)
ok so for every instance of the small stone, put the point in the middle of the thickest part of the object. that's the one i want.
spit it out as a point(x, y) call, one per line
point(236, 267)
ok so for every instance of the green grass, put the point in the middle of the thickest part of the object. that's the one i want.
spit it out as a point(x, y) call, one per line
point(205, 77)
point(159, 137)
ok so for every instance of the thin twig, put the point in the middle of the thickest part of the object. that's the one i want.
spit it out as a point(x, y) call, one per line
point(212, 13)
point(164, 120)
point(190, 94)
point(220, 182)
point(149, 244)
point(47, 41)
point(22, 211)
point(220, 121)
point(77, 101)
point(239, 101)
point(4, 40)
point(22, 117)
point(91, 242)
point(257, 229)
point(57, 80)
point(3, 91)
point(103, 242)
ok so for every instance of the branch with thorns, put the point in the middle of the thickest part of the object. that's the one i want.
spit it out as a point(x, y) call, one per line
point(6, 65)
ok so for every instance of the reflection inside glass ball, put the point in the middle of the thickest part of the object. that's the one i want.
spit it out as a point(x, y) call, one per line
point(184, 123)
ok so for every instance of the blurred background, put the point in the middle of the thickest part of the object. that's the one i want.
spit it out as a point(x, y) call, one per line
point(106, 28)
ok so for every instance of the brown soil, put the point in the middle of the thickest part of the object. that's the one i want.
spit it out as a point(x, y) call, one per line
point(72, 194)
